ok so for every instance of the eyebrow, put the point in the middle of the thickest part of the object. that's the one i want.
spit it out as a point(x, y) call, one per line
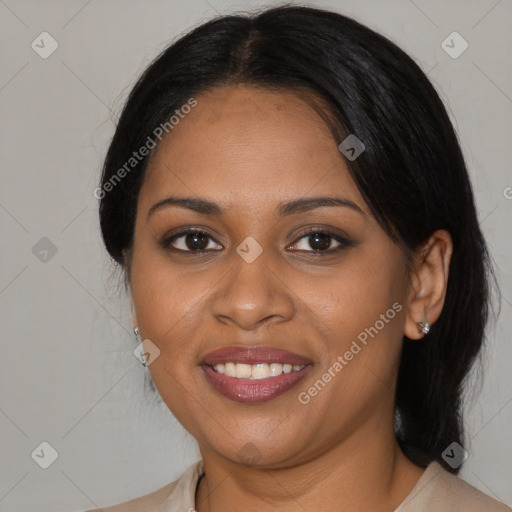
point(283, 209)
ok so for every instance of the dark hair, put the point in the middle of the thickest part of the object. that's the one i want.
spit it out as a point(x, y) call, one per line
point(412, 173)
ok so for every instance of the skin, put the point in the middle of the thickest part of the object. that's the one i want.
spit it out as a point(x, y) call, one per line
point(248, 150)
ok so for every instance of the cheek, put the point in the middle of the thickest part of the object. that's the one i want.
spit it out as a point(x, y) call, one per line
point(355, 295)
point(362, 315)
point(168, 307)
point(165, 297)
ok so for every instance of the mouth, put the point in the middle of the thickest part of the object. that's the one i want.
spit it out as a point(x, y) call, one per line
point(254, 374)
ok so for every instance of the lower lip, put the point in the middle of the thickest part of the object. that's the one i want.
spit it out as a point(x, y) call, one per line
point(253, 391)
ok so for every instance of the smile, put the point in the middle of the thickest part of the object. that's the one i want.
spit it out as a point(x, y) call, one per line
point(254, 374)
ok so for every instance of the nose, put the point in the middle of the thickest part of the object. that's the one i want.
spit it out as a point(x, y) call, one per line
point(252, 294)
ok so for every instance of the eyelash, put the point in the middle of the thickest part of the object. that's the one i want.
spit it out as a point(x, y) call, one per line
point(344, 242)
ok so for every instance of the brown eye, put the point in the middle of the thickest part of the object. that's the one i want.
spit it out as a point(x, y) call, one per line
point(320, 241)
point(191, 241)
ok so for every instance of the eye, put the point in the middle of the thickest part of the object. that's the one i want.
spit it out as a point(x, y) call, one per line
point(190, 240)
point(319, 241)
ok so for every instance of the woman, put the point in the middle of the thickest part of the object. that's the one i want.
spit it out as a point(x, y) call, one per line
point(290, 205)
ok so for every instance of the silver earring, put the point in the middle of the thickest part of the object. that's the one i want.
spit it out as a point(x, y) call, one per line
point(424, 327)
point(137, 334)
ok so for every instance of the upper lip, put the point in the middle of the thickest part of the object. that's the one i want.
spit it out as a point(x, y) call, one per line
point(253, 355)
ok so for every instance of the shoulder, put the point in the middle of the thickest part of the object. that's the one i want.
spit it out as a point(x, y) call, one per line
point(176, 494)
point(438, 491)
point(144, 503)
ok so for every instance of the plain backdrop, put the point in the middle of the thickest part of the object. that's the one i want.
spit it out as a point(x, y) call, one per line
point(68, 374)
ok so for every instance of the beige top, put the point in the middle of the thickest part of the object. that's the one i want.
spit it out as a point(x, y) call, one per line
point(436, 491)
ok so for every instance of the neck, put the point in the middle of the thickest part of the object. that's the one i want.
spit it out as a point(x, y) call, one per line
point(366, 472)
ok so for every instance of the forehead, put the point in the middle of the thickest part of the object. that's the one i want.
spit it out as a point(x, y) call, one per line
point(247, 144)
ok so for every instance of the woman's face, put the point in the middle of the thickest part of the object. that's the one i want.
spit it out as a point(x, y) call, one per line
point(264, 292)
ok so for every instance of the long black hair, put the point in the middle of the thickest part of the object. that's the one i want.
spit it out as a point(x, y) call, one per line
point(412, 173)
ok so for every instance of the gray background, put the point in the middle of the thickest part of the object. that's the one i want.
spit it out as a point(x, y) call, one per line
point(68, 374)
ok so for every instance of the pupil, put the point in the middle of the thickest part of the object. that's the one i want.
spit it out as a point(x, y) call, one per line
point(196, 241)
point(322, 239)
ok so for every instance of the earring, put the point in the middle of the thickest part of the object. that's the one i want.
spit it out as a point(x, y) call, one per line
point(424, 327)
point(137, 334)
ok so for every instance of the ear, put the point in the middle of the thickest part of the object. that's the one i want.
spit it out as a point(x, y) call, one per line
point(429, 282)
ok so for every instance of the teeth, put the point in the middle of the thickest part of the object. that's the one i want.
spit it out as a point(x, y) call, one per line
point(276, 369)
point(243, 371)
point(230, 369)
point(255, 371)
point(260, 371)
